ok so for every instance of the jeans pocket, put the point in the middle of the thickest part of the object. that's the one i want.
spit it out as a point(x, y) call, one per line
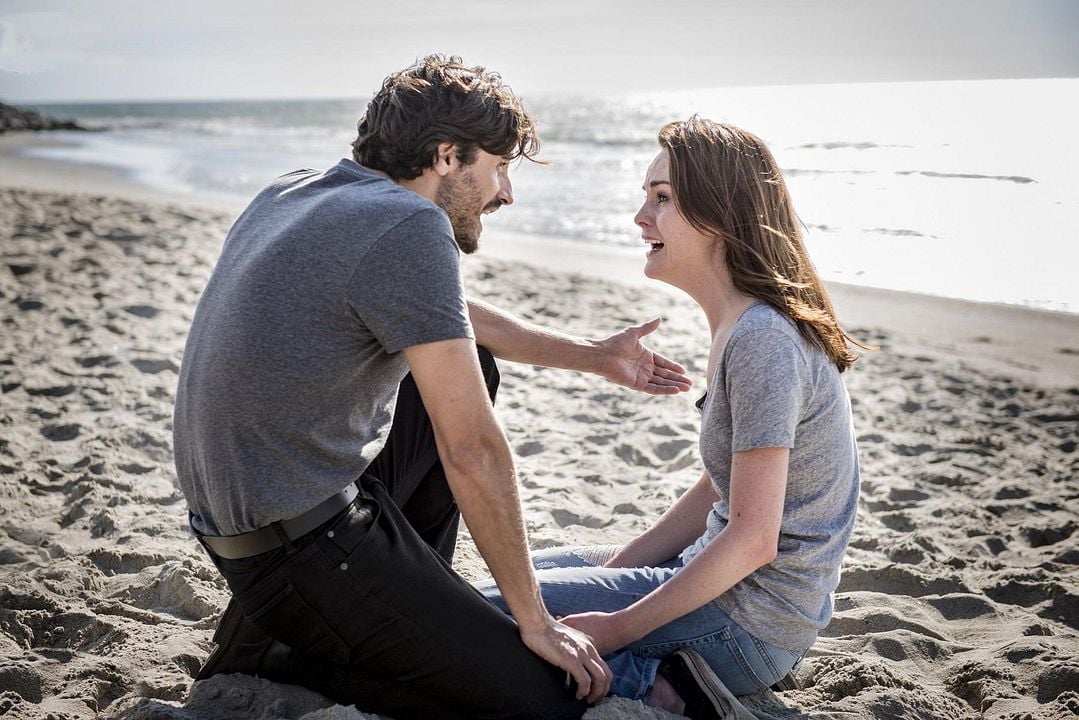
point(342, 539)
point(284, 615)
point(753, 678)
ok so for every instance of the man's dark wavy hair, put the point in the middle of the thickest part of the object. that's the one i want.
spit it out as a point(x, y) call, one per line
point(440, 99)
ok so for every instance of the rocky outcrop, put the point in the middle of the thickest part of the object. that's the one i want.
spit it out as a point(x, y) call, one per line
point(14, 118)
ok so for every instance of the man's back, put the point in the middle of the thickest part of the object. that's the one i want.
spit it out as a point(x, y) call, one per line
point(292, 365)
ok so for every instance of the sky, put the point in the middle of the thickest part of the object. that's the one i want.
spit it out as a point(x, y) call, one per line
point(77, 50)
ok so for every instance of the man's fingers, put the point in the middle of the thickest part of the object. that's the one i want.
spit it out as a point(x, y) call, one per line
point(646, 328)
point(584, 680)
point(667, 364)
point(601, 679)
point(672, 377)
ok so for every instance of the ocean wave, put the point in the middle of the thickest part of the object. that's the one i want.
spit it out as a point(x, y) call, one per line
point(799, 172)
point(899, 232)
point(836, 145)
point(969, 176)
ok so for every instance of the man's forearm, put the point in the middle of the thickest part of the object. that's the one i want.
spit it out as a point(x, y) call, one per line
point(485, 488)
point(511, 338)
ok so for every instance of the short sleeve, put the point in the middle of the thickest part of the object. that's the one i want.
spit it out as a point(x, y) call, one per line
point(764, 382)
point(408, 288)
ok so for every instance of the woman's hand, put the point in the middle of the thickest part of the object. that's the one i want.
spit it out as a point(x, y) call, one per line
point(607, 630)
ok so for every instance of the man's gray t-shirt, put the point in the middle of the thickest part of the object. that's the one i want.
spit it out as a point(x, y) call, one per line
point(291, 369)
point(774, 389)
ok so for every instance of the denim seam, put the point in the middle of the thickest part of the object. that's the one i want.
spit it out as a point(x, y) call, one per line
point(767, 659)
point(651, 649)
point(648, 679)
point(736, 652)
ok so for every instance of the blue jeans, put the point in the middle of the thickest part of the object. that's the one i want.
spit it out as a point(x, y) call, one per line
point(572, 580)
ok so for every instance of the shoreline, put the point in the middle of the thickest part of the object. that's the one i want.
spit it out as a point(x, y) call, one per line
point(1029, 343)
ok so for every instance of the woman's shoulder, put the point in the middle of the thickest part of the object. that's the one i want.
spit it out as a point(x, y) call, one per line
point(762, 324)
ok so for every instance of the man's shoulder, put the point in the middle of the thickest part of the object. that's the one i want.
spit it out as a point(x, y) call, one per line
point(350, 184)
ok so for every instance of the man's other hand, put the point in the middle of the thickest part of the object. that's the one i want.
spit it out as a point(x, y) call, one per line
point(572, 651)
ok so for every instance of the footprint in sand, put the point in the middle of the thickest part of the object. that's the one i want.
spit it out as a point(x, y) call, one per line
point(898, 521)
point(96, 360)
point(671, 449)
point(143, 311)
point(907, 495)
point(51, 391)
point(866, 620)
point(898, 580)
point(1031, 589)
point(19, 270)
point(61, 433)
point(1041, 537)
point(632, 455)
point(153, 367)
point(532, 447)
point(566, 518)
point(963, 606)
point(901, 645)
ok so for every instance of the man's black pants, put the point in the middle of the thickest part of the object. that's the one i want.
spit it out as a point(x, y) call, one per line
point(372, 610)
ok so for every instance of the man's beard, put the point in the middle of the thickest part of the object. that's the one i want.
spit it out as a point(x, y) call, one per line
point(460, 197)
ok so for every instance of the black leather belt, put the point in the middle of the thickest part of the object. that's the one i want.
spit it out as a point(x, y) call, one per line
point(236, 547)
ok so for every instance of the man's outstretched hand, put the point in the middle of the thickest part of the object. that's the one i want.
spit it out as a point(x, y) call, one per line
point(626, 361)
point(574, 652)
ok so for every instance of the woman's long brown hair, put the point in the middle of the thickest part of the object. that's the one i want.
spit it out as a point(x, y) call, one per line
point(727, 185)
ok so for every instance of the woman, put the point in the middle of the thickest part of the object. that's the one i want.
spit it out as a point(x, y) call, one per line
point(736, 577)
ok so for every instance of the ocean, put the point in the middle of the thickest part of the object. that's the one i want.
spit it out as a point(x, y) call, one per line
point(963, 189)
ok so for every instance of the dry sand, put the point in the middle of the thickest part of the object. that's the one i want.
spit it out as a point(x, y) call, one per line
point(960, 593)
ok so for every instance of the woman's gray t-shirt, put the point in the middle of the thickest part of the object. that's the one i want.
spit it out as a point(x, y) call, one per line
point(772, 388)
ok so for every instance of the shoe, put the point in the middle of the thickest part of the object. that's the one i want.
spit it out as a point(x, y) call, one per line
point(705, 695)
point(789, 681)
point(242, 647)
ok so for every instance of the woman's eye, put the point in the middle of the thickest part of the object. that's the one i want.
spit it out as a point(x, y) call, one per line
point(661, 198)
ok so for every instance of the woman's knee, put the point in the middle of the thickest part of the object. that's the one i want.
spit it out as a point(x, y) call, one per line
point(573, 556)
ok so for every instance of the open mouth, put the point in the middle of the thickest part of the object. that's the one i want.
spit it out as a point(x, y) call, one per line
point(656, 247)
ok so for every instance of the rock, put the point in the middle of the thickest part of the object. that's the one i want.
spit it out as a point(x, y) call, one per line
point(14, 118)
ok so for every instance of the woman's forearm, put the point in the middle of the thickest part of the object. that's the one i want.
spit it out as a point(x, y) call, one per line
point(749, 541)
point(683, 523)
point(728, 559)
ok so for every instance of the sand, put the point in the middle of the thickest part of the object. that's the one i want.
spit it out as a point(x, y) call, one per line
point(960, 592)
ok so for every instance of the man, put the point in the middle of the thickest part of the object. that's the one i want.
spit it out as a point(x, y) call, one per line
point(325, 484)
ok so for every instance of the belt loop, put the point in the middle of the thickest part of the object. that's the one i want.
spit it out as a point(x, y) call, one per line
point(283, 537)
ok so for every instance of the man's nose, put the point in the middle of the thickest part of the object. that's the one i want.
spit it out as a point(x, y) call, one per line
point(505, 190)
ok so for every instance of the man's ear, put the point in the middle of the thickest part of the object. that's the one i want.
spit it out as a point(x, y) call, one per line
point(446, 159)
